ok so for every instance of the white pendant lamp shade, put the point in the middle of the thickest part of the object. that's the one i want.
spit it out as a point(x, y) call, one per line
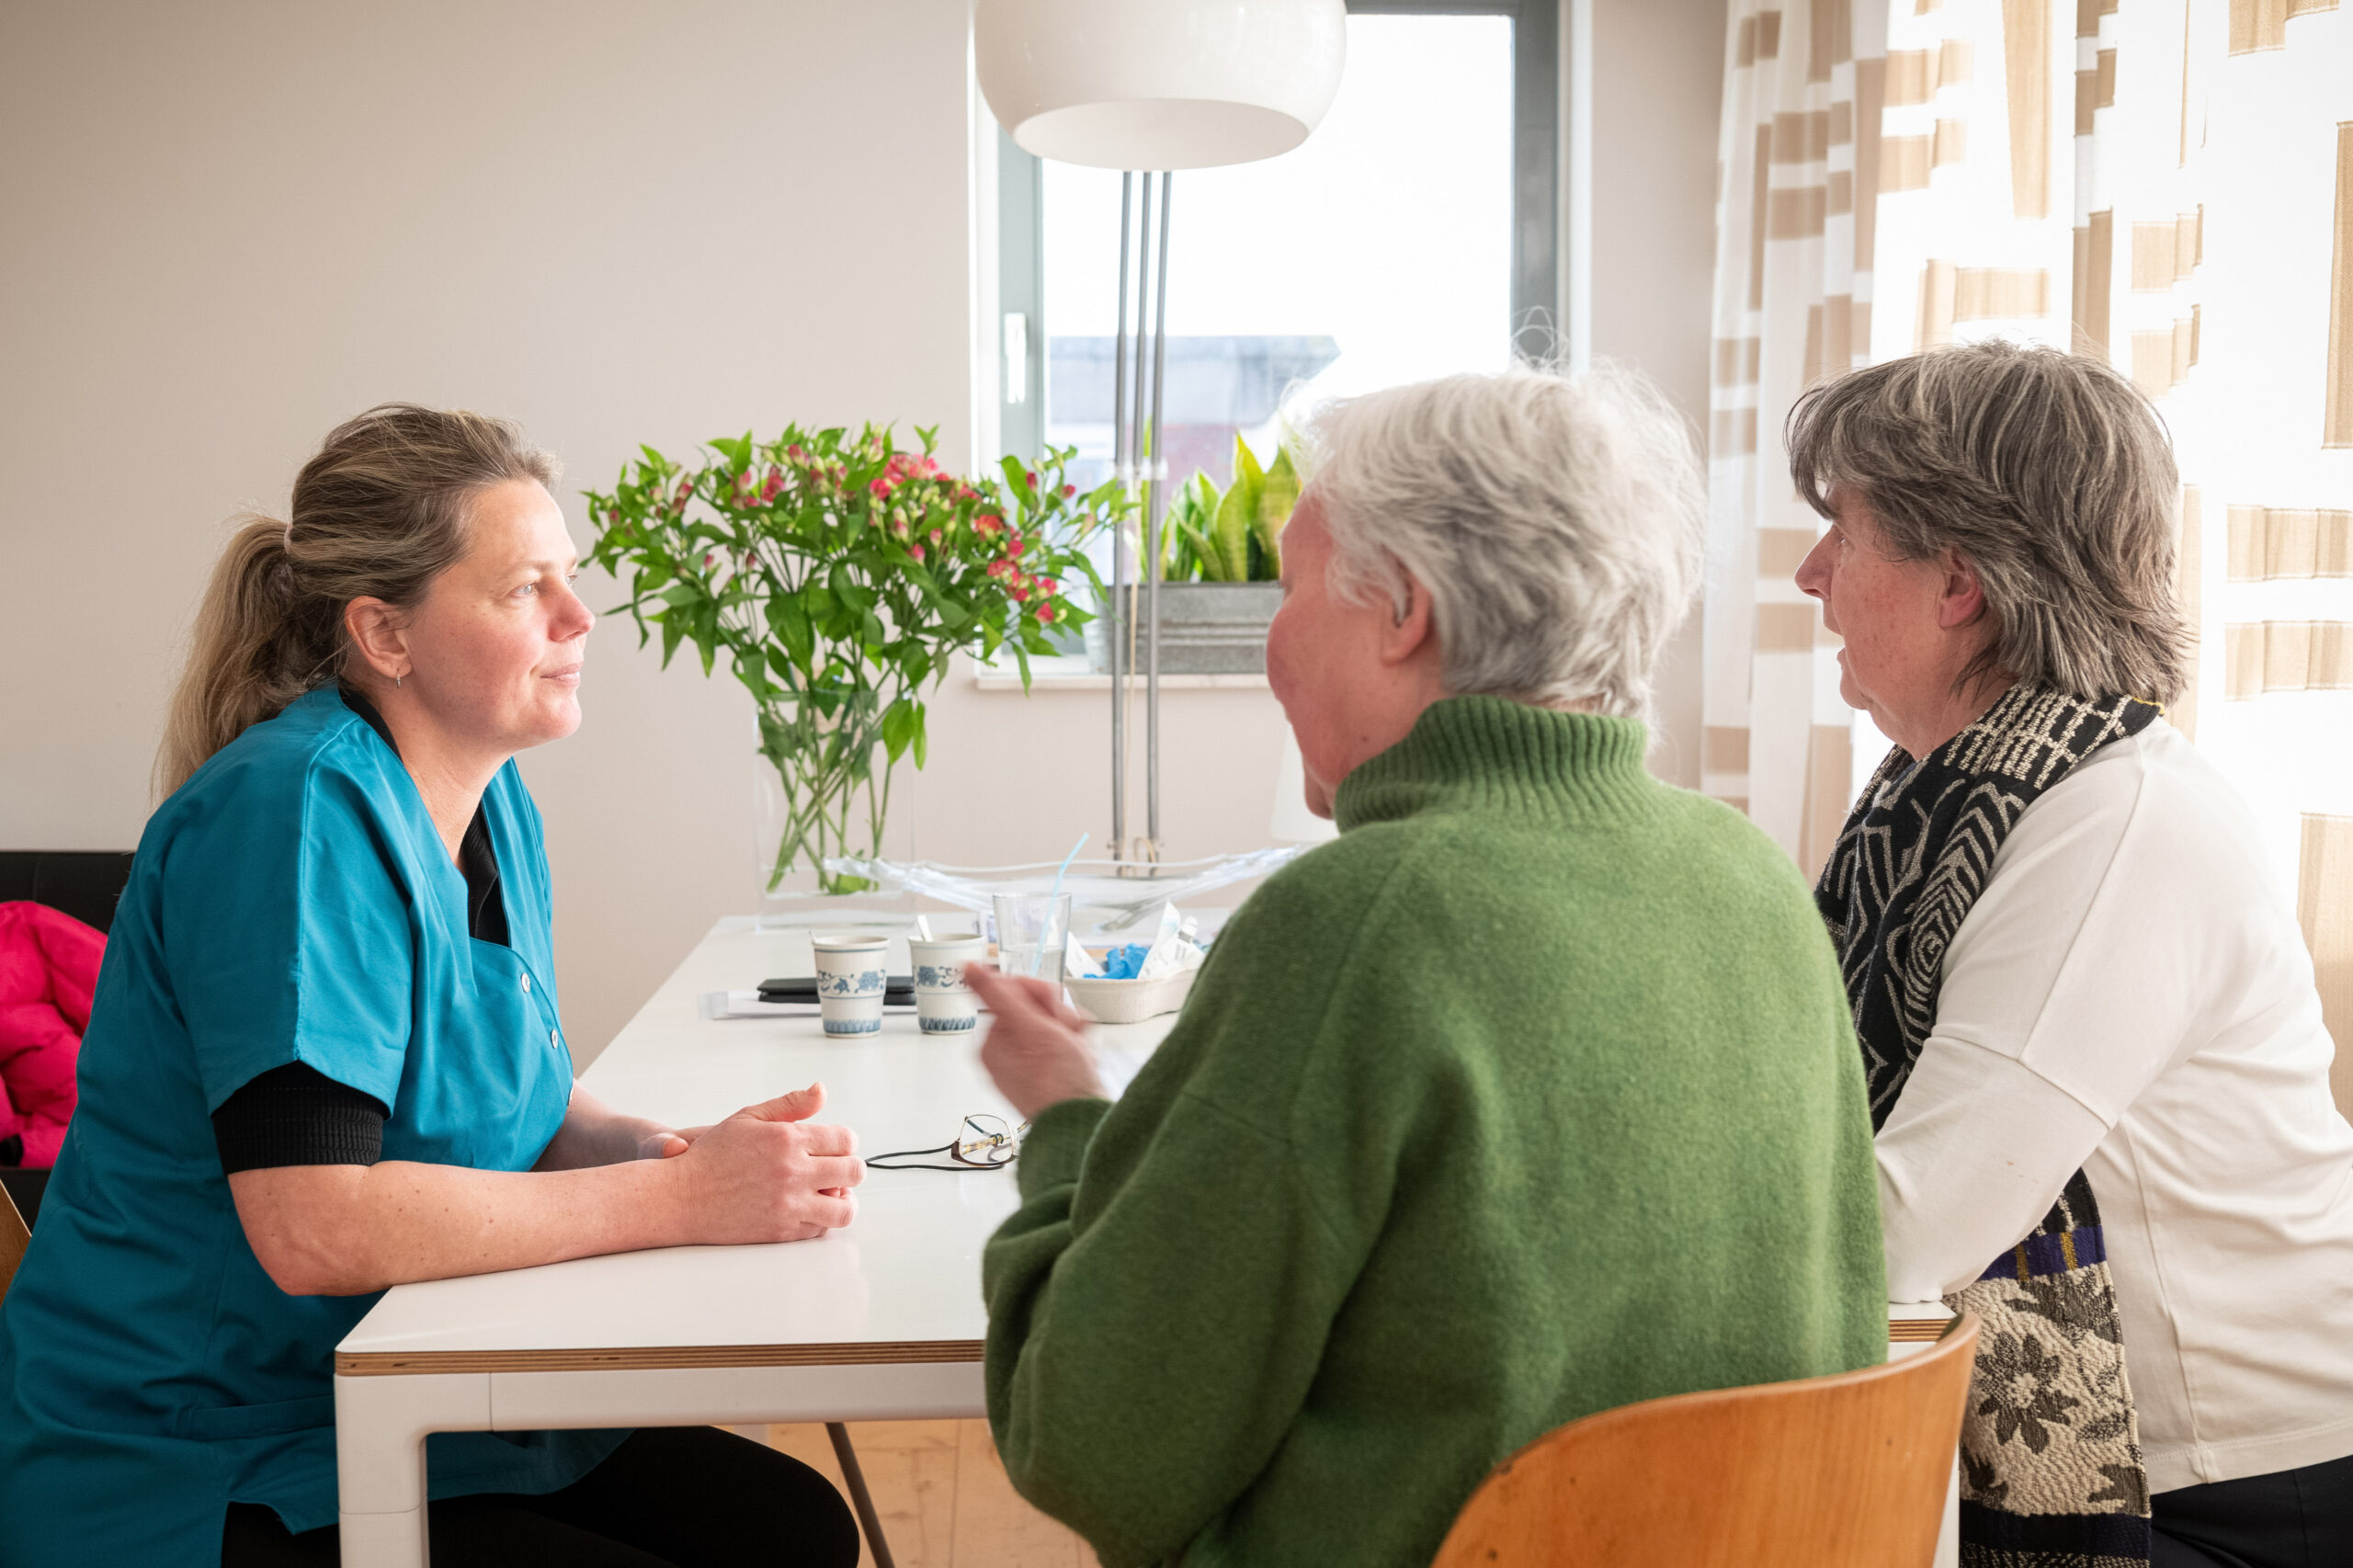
point(1159, 83)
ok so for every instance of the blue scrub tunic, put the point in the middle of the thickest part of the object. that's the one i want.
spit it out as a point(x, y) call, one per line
point(291, 902)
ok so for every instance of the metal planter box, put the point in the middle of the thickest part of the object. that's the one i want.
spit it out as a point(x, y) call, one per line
point(1206, 629)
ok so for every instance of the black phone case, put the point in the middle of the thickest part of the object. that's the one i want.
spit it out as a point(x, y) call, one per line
point(803, 988)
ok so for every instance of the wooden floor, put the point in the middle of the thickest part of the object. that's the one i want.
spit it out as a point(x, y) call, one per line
point(943, 1495)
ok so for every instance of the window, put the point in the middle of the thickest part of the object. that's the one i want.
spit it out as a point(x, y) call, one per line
point(1413, 235)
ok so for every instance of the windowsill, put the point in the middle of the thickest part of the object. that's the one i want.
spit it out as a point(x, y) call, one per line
point(1069, 673)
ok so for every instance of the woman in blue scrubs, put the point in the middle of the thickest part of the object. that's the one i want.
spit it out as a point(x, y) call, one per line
point(325, 1058)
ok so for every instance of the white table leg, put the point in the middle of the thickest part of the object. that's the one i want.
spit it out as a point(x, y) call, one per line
point(379, 1428)
point(1949, 1531)
point(383, 1541)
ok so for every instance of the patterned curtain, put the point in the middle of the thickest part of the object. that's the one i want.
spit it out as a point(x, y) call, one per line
point(2167, 184)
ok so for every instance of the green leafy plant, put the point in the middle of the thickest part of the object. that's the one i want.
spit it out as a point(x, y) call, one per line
point(840, 575)
point(1236, 536)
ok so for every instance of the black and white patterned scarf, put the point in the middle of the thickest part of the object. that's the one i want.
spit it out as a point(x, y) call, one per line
point(2051, 1448)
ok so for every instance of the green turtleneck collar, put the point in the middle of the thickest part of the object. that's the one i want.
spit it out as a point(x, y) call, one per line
point(1492, 753)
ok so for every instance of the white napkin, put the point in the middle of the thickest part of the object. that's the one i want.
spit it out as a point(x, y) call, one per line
point(1173, 949)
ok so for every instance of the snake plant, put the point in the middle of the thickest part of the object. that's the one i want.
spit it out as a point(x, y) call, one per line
point(1235, 536)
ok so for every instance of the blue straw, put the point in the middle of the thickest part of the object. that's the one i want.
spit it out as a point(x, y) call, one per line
point(1065, 865)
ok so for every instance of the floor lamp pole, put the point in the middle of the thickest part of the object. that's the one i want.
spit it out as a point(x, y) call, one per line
point(1155, 481)
point(1142, 468)
point(1122, 470)
point(1140, 440)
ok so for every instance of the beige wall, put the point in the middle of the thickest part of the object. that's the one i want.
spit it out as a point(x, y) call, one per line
point(228, 226)
point(1657, 81)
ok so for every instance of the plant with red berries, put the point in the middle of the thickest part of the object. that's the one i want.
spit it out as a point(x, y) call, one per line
point(841, 575)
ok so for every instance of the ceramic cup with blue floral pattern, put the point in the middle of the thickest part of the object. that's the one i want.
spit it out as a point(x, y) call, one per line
point(943, 1004)
point(851, 977)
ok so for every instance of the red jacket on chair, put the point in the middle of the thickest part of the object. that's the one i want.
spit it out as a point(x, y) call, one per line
point(48, 967)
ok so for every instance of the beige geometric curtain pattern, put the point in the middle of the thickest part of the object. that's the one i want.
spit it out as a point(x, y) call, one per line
point(1801, 167)
point(2166, 183)
point(2275, 406)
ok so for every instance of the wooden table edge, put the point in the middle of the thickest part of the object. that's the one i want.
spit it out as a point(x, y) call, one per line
point(685, 1357)
point(1916, 1331)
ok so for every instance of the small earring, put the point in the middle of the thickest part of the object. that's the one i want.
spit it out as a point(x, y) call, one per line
point(396, 683)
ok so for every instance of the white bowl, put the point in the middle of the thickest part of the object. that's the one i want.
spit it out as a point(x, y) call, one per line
point(1130, 1001)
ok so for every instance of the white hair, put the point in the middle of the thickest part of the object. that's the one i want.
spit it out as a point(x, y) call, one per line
point(1556, 518)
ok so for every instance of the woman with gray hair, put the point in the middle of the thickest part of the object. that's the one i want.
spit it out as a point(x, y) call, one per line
point(2096, 1056)
point(1532, 1094)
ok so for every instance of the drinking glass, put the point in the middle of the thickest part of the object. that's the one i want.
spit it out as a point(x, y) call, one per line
point(1032, 931)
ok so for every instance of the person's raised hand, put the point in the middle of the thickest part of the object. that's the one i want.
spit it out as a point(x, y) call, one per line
point(1034, 1050)
point(769, 1173)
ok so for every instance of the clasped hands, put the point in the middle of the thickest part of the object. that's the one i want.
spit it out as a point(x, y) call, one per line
point(769, 1173)
point(766, 1174)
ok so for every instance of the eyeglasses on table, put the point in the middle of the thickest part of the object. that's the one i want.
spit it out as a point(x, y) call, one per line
point(986, 1143)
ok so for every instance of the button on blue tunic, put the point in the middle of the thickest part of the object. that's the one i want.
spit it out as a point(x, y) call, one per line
point(291, 902)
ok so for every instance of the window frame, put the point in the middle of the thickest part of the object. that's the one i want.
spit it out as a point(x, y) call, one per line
point(1534, 322)
point(1021, 290)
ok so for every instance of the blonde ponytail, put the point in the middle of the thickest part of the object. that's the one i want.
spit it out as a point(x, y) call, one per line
point(244, 657)
point(378, 513)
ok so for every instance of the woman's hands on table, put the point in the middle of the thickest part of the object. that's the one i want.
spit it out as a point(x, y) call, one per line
point(766, 1174)
point(594, 1133)
point(671, 1143)
point(1034, 1050)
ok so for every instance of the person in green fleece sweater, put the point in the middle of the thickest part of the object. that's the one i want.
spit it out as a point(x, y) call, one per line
point(1532, 1094)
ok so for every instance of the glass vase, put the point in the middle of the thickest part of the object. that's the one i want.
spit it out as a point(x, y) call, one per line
point(813, 801)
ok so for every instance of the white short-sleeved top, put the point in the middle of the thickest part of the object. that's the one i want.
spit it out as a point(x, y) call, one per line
point(2131, 995)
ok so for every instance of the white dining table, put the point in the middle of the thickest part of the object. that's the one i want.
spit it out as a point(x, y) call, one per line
point(880, 1321)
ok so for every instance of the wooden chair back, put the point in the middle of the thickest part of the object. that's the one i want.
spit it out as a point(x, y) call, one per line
point(14, 1238)
point(1843, 1471)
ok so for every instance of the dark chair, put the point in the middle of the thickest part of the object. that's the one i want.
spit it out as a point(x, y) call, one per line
point(85, 885)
